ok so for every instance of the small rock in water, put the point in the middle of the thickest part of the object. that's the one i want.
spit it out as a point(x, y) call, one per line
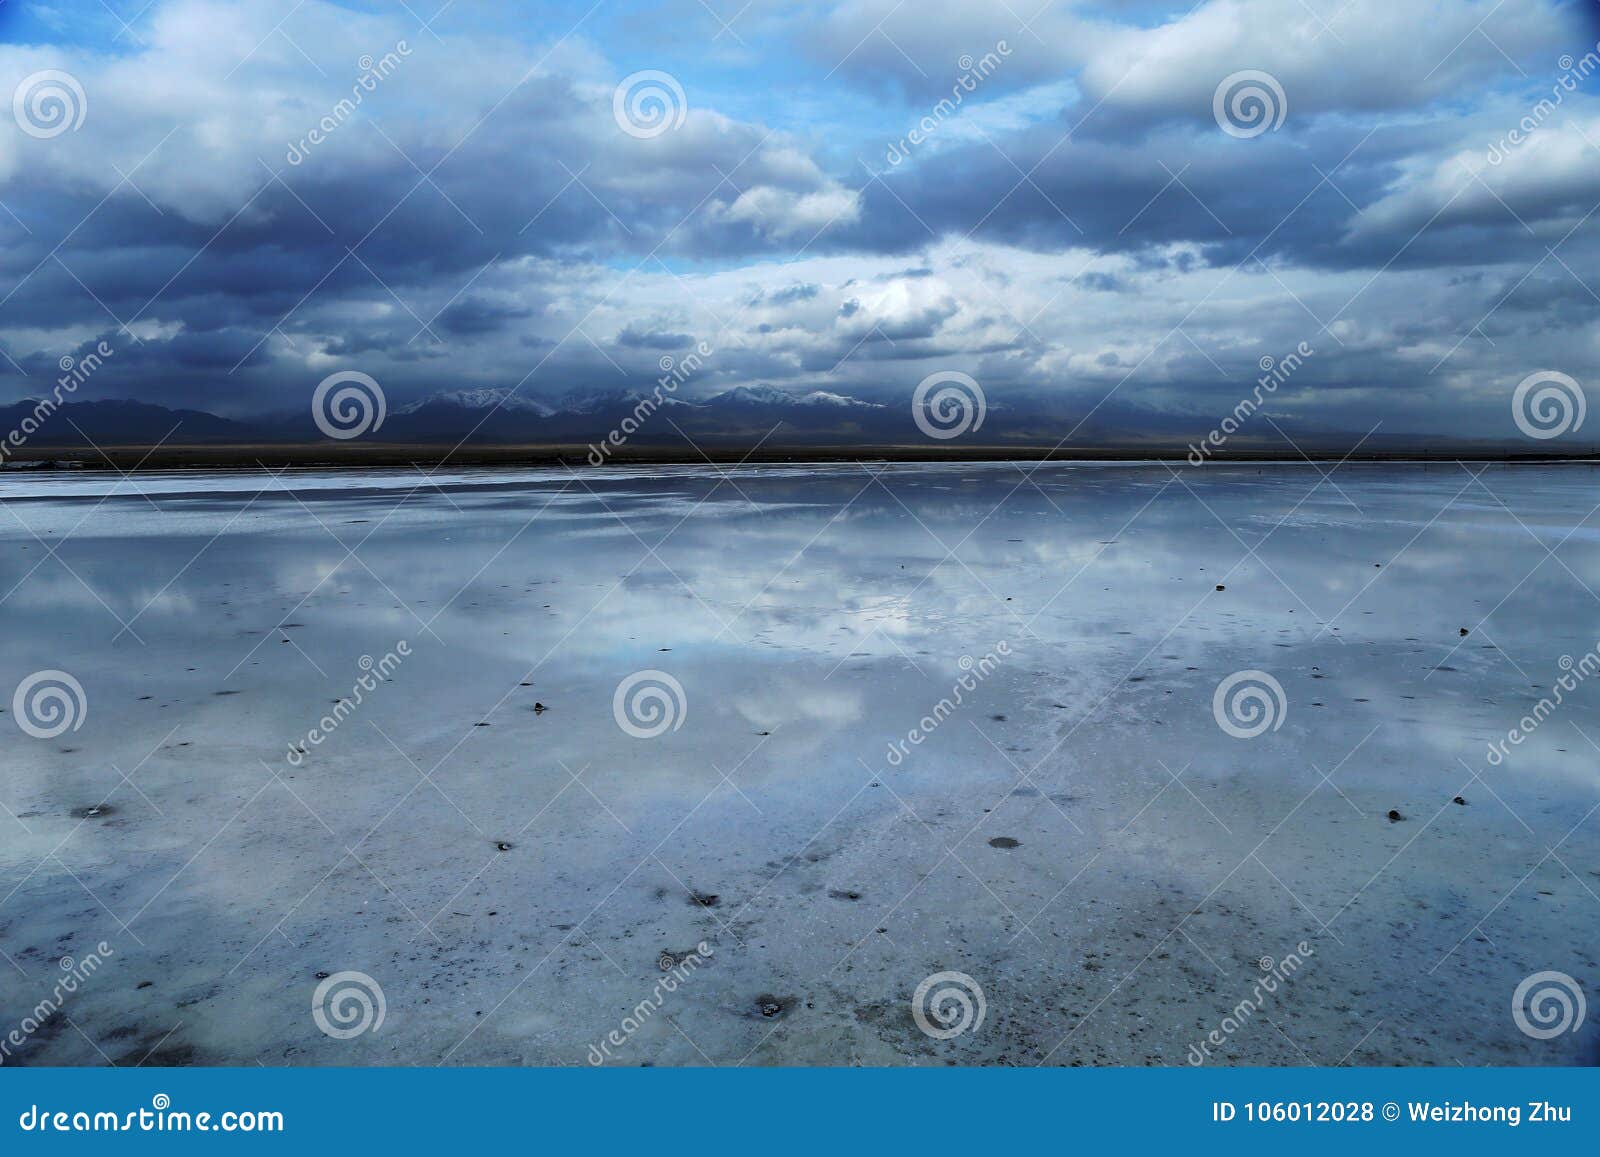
point(705, 899)
point(1220, 587)
point(1460, 801)
point(503, 846)
point(539, 708)
point(1004, 842)
point(843, 894)
point(773, 1006)
point(1394, 816)
point(1463, 632)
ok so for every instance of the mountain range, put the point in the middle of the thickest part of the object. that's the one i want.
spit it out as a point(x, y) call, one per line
point(741, 417)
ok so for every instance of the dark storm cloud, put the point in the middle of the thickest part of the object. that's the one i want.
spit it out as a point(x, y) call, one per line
point(635, 339)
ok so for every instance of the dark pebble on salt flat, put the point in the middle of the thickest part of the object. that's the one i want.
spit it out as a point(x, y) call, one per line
point(1460, 801)
point(1394, 816)
point(773, 1006)
point(1004, 842)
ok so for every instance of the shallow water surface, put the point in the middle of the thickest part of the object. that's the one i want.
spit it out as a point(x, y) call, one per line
point(830, 731)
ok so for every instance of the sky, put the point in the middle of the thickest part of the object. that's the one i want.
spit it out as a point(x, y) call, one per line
point(1060, 200)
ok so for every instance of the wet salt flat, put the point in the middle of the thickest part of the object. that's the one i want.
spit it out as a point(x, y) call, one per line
point(876, 725)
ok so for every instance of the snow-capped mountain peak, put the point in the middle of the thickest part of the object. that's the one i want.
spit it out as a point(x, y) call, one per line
point(764, 395)
point(481, 398)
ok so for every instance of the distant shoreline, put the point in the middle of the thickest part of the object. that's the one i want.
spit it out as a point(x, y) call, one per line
point(369, 455)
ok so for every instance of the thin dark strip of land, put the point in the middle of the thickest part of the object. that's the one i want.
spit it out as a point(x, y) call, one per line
point(368, 455)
